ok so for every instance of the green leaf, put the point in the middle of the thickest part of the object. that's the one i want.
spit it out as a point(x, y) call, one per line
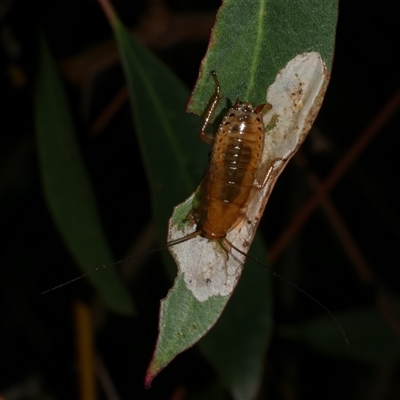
point(208, 267)
point(67, 187)
point(369, 335)
point(247, 51)
point(253, 40)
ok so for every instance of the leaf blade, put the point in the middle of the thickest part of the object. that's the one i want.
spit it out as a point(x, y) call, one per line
point(67, 187)
point(235, 84)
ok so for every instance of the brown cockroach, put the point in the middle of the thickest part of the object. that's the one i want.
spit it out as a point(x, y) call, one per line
point(235, 171)
point(231, 180)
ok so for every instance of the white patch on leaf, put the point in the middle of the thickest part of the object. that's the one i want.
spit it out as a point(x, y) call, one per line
point(296, 97)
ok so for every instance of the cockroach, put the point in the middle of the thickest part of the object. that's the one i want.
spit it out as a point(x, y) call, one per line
point(234, 171)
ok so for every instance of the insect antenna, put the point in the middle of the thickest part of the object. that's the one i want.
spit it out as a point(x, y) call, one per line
point(274, 273)
point(131, 257)
point(231, 245)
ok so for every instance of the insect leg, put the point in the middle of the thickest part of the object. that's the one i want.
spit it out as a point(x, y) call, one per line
point(269, 171)
point(210, 110)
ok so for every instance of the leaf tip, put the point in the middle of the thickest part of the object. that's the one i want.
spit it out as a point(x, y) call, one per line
point(150, 375)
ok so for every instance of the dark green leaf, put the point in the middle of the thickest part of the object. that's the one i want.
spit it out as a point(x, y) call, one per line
point(67, 187)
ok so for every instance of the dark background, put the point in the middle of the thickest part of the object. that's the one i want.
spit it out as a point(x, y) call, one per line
point(36, 332)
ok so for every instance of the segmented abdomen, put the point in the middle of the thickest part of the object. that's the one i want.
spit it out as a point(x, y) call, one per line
point(229, 182)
